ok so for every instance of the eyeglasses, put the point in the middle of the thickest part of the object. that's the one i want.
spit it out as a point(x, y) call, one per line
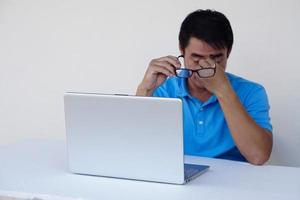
point(203, 72)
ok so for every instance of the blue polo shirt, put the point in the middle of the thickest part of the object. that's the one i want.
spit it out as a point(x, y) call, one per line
point(205, 129)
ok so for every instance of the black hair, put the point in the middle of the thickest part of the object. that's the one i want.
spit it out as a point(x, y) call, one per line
point(208, 25)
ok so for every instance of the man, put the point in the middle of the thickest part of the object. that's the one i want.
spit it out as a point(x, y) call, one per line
point(225, 116)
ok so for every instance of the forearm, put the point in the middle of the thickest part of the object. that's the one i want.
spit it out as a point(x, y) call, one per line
point(254, 142)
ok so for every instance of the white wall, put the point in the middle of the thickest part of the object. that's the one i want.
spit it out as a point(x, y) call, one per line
point(50, 46)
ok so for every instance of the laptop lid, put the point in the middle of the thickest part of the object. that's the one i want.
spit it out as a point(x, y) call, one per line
point(125, 136)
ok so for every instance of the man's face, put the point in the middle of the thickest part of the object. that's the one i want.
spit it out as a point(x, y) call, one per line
point(198, 52)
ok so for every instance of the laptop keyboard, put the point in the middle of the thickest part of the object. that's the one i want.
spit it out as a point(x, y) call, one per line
point(190, 171)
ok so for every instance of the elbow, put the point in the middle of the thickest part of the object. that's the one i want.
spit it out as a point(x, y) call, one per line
point(261, 155)
point(260, 158)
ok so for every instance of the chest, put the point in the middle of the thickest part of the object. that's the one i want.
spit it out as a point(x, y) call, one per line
point(202, 118)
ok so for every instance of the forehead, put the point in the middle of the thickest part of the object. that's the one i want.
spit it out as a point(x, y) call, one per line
point(202, 48)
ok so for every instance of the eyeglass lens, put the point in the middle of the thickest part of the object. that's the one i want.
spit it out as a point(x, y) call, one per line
point(186, 73)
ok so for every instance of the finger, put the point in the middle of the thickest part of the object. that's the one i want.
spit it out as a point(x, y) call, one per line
point(207, 63)
point(172, 60)
point(212, 62)
point(163, 64)
point(156, 69)
point(169, 56)
point(166, 65)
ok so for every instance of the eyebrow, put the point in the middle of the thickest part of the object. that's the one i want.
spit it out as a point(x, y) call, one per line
point(214, 55)
point(217, 55)
point(197, 55)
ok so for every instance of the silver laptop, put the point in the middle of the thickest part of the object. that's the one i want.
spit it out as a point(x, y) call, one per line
point(128, 137)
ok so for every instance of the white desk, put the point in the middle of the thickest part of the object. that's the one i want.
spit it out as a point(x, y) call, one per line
point(40, 166)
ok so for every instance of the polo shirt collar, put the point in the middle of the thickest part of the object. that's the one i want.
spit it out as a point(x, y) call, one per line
point(182, 90)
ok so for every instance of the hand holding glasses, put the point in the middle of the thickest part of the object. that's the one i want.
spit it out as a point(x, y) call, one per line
point(203, 72)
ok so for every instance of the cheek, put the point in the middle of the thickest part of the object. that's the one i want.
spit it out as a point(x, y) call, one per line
point(222, 62)
point(190, 64)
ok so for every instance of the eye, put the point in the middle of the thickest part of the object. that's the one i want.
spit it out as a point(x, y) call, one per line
point(196, 58)
point(217, 57)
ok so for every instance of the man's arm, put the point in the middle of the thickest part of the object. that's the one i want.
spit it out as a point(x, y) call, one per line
point(253, 141)
point(157, 72)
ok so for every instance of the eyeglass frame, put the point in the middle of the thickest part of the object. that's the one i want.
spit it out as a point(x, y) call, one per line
point(196, 70)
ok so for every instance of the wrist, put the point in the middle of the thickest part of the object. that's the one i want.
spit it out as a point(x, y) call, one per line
point(224, 91)
point(142, 91)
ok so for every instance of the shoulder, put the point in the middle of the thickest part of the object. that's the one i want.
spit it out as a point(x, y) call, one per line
point(248, 91)
point(242, 85)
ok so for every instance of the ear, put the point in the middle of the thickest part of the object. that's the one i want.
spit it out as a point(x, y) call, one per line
point(228, 52)
point(181, 50)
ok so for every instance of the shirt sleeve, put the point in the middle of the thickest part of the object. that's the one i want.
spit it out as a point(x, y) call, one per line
point(164, 90)
point(257, 105)
point(160, 92)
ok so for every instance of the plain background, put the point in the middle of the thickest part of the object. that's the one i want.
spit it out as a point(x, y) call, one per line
point(48, 47)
